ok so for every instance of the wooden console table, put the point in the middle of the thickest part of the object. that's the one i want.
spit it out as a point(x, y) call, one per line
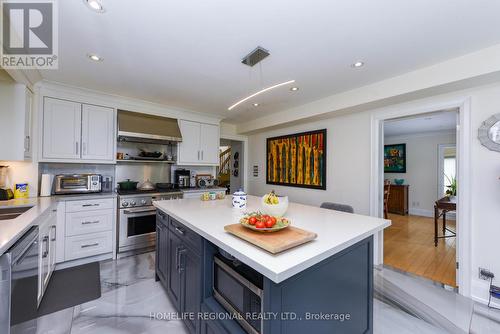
point(398, 199)
point(441, 207)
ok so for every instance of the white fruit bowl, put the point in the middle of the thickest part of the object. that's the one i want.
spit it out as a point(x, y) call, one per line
point(276, 210)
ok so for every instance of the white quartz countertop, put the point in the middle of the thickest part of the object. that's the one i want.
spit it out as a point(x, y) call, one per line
point(12, 229)
point(336, 231)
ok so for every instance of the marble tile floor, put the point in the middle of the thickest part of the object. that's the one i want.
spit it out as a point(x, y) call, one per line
point(130, 294)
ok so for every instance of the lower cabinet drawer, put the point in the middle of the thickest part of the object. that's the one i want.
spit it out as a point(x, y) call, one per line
point(85, 222)
point(80, 246)
point(91, 204)
point(185, 234)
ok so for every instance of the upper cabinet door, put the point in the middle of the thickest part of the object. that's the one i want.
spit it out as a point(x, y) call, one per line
point(28, 126)
point(189, 149)
point(98, 133)
point(61, 129)
point(210, 141)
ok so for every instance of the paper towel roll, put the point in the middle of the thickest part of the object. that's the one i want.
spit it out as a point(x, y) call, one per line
point(46, 186)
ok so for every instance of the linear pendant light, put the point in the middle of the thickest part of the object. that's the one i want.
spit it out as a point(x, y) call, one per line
point(260, 92)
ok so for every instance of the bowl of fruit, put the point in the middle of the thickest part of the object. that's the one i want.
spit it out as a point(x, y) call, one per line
point(274, 205)
point(258, 221)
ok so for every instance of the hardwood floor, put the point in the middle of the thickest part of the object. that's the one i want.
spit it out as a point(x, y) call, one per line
point(409, 246)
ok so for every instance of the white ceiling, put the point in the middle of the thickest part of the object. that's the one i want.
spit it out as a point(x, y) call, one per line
point(443, 121)
point(187, 54)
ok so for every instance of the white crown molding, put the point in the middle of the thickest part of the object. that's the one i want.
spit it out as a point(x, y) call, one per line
point(26, 77)
point(84, 95)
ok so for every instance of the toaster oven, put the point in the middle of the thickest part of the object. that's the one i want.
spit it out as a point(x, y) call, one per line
point(77, 183)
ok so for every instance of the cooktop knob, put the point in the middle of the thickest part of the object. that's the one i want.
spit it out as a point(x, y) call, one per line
point(125, 203)
point(132, 203)
point(143, 202)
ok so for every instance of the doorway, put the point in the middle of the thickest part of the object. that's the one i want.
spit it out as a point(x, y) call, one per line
point(231, 169)
point(418, 151)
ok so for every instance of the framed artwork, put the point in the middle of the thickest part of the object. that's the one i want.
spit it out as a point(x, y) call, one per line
point(395, 158)
point(297, 160)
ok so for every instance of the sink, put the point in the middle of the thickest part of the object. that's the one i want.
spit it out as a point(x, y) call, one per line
point(11, 213)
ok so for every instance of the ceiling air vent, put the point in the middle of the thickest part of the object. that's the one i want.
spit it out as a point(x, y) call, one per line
point(255, 56)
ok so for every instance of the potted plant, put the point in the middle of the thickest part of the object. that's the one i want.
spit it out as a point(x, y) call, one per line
point(452, 186)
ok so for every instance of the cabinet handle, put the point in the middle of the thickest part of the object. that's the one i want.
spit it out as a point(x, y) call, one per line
point(90, 222)
point(87, 205)
point(45, 246)
point(201, 154)
point(177, 249)
point(76, 147)
point(90, 245)
point(180, 267)
point(53, 228)
point(198, 155)
point(180, 231)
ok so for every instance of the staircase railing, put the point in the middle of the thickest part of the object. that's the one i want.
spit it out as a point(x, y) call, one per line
point(224, 159)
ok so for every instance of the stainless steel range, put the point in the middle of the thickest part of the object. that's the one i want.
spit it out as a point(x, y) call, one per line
point(137, 217)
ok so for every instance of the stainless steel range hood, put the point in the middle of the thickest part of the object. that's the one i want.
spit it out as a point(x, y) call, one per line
point(145, 128)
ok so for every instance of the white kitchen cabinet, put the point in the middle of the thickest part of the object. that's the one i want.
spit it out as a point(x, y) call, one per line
point(76, 132)
point(189, 148)
point(200, 144)
point(62, 124)
point(97, 125)
point(15, 121)
point(86, 228)
point(28, 125)
point(47, 250)
point(209, 144)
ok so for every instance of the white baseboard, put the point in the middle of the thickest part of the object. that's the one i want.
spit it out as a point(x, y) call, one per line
point(480, 293)
point(77, 262)
point(421, 212)
point(429, 213)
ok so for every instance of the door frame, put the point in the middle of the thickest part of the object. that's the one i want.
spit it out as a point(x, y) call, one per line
point(464, 137)
point(441, 148)
point(244, 167)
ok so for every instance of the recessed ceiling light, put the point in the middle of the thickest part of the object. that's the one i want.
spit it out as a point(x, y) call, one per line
point(294, 89)
point(94, 57)
point(358, 64)
point(256, 104)
point(95, 5)
point(260, 92)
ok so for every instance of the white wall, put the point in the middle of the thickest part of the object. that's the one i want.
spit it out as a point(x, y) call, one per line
point(348, 163)
point(421, 168)
point(22, 172)
point(348, 172)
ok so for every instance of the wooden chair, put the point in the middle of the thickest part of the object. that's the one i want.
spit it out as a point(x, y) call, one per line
point(337, 207)
point(387, 192)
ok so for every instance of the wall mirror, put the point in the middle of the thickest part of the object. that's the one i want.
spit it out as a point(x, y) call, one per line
point(489, 133)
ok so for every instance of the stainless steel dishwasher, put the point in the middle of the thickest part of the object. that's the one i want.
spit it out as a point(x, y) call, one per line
point(19, 285)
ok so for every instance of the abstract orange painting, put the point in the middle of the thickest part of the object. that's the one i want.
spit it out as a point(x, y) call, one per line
point(297, 160)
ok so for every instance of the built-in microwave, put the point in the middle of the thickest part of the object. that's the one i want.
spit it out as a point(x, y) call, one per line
point(239, 289)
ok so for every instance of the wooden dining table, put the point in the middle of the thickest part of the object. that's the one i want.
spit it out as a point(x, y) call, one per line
point(441, 207)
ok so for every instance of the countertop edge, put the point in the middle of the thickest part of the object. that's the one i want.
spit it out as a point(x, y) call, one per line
point(276, 277)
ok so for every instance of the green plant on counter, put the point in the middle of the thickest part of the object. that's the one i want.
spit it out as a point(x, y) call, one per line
point(452, 186)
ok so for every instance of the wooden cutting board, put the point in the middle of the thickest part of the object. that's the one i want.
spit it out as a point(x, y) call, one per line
point(273, 242)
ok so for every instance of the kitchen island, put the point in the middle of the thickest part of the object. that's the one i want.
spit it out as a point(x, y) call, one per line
point(324, 285)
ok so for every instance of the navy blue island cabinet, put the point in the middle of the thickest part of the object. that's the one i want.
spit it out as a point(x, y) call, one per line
point(332, 296)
